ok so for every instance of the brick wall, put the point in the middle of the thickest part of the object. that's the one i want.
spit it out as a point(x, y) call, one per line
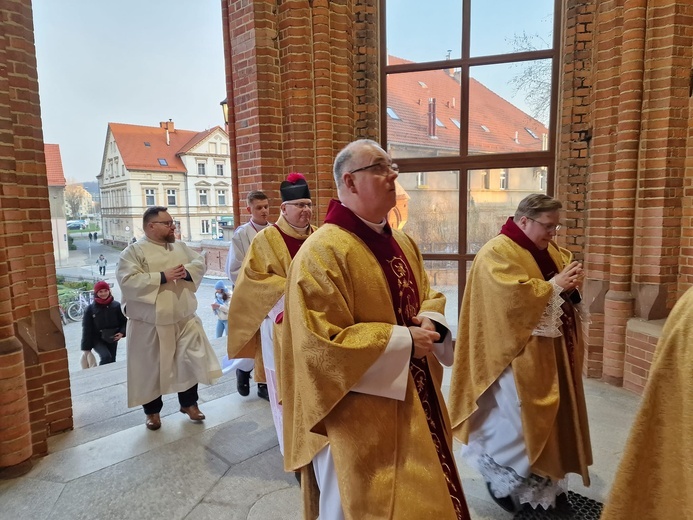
point(35, 398)
point(302, 82)
point(641, 340)
point(624, 133)
point(575, 122)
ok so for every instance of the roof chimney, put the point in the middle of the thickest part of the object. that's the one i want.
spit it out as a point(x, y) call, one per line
point(431, 117)
point(168, 126)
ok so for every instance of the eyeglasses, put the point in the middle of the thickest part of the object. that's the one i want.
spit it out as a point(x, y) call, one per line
point(301, 205)
point(168, 223)
point(385, 168)
point(548, 227)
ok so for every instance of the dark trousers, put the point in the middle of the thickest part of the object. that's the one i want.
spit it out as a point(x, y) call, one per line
point(187, 398)
point(102, 270)
point(106, 352)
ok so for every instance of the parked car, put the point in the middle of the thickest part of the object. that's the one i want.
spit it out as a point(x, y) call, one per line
point(76, 224)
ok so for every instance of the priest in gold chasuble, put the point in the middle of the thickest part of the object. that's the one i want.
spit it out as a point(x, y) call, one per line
point(363, 341)
point(516, 395)
point(257, 304)
point(654, 480)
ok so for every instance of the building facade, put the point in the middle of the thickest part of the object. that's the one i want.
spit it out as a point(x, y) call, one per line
point(186, 171)
point(56, 199)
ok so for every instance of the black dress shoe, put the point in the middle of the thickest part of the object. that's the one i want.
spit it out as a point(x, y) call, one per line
point(563, 504)
point(262, 391)
point(242, 382)
point(504, 502)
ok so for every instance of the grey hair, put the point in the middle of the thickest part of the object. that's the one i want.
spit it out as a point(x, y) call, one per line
point(535, 204)
point(344, 158)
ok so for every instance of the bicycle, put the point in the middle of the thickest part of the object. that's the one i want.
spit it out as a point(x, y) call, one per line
point(75, 311)
point(63, 316)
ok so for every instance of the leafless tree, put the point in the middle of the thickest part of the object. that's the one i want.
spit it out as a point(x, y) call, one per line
point(533, 81)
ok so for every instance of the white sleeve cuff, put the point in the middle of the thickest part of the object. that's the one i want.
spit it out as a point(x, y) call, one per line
point(443, 351)
point(388, 376)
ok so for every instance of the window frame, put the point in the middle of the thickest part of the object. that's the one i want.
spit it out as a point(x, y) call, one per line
point(171, 192)
point(152, 194)
point(200, 193)
point(463, 162)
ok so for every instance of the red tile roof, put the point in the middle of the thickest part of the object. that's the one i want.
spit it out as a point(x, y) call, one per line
point(409, 93)
point(54, 165)
point(197, 139)
point(131, 140)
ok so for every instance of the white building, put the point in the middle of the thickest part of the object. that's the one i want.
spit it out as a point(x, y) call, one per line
point(56, 197)
point(186, 171)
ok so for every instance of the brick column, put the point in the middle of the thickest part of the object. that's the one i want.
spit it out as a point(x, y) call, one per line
point(300, 89)
point(572, 173)
point(685, 260)
point(662, 165)
point(31, 339)
point(619, 301)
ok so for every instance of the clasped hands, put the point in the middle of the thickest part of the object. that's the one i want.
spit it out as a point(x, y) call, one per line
point(423, 335)
point(176, 273)
point(571, 277)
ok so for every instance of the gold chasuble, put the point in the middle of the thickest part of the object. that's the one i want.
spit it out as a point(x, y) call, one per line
point(347, 288)
point(260, 284)
point(654, 480)
point(504, 299)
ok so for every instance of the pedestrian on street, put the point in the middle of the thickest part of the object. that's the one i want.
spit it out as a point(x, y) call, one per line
point(90, 237)
point(220, 306)
point(103, 324)
point(96, 236)
point(101, 262)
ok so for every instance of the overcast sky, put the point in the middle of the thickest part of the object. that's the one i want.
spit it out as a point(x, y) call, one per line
point(129, 61)
point(145, 61)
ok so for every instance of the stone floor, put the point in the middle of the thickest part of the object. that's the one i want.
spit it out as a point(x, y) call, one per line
point(110, 467)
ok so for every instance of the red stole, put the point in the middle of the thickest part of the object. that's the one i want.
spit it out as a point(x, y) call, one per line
point(541, 256)
point(292, 244)
point(406, 304)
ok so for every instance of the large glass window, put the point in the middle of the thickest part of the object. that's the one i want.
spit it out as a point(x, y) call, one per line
point(428, 209)
point(489, 207)
point(509, 26)
point(467, 113)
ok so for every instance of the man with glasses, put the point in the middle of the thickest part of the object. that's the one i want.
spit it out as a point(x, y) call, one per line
point(167, 349)
point(257, 303)
point(516, 400)
point(362, 349)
